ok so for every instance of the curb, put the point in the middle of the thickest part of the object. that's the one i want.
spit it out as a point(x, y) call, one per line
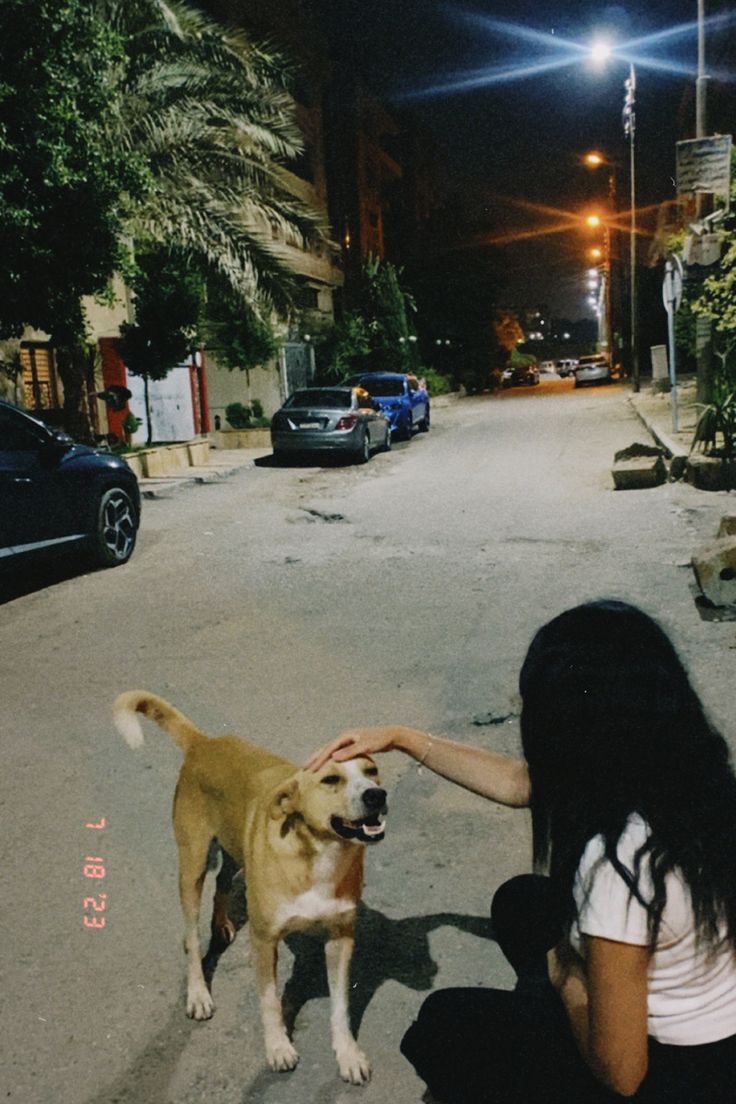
point(674, 450)
point(165, 486)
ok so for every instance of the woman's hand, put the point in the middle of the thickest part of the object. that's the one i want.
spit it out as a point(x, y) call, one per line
point(366, 741)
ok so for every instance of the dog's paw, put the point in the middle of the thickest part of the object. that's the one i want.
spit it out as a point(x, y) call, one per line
point(353, 1064)
point(200, 1004)
point(281, 1055)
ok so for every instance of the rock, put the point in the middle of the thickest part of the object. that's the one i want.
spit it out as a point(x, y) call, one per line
point(639, 472)
point(727, 528)
point(715, 570)
point(637, 449)
point(711, 473)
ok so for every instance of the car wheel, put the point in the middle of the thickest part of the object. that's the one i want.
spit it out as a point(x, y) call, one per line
point(424, 424)
point(386, 447)
point(363, 454)
point(407, 428)
point(116, 528)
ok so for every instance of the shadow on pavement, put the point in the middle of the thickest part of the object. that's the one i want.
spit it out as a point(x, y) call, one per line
point(19, 583)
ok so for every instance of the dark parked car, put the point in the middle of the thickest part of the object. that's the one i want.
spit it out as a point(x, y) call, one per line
point(344, 420)
point(525, 375)
point(57, 496)
point(401, 397)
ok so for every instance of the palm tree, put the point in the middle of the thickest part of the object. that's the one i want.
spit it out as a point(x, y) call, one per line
point(208, 112)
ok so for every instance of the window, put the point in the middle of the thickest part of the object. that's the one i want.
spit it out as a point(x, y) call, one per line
point(40, 382)
point(15, 435)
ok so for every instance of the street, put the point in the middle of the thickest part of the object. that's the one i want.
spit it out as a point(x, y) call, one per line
point(287, 603)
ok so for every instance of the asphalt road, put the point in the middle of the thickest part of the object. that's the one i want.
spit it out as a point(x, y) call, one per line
point(285, 604)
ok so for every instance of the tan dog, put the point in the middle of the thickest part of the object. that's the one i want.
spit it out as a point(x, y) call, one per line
point(298, 834)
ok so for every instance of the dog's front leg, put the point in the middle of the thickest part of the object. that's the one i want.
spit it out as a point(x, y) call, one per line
point(280, 1053)
point(351, 1061)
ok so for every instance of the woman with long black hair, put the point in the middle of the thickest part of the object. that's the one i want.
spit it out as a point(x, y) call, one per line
point(626, 947)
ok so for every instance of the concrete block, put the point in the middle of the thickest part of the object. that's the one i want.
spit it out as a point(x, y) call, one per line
point(199, 453)
point(710, 473)
point(638, 473)
point(727, 528)
point(715, 570)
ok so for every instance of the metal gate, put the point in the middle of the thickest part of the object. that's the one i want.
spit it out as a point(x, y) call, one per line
point(298, 365)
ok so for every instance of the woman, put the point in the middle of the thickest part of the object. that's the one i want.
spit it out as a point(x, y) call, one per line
point(633, 806)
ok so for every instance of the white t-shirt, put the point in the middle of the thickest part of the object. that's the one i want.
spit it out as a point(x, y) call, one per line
point(692, 995)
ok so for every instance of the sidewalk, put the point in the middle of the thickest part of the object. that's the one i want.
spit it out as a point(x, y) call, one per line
point(223, 462)
point(655, 411)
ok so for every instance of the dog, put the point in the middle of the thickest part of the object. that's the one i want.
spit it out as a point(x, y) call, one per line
point(299, 836)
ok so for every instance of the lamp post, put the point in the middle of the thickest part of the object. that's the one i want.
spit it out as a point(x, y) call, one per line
point(600, 53)
point(595, 160)
point(630, 132)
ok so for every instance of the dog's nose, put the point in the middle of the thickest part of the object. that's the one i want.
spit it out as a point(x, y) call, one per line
point(374, 798)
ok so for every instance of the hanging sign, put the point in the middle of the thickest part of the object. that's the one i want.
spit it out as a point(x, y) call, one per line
point(704, 165)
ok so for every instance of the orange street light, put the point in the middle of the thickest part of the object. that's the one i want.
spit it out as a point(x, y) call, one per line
point(596, 253)
point(593, 220)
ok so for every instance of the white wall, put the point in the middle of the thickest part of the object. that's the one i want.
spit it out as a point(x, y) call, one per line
point(225, 387)
point(172, 415)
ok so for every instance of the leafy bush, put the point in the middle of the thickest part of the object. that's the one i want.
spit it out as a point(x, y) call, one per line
point(238, 415)
point(437, 384)
point(241, 416)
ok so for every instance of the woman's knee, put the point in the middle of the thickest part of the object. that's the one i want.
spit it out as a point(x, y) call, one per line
point(527, 920)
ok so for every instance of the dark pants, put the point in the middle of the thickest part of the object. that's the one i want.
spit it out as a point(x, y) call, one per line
point(490, 1046)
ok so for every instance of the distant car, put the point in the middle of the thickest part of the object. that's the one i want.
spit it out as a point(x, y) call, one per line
point(402, 399)
point(547, 368)
point(525, 375)
point(566, 366)
point(339, 420)
point(593, 369)
point(57, 496)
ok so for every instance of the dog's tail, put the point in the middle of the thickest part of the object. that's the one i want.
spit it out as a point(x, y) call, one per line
point(125, 715)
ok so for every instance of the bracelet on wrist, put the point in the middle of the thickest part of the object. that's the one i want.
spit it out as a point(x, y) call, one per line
point(428, 748)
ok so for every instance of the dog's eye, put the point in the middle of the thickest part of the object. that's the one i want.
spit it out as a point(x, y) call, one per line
point(371, 772)
point(330, 780)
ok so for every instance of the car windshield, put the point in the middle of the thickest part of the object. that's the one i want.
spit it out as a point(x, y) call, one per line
point(323, 398)
point(386, 388)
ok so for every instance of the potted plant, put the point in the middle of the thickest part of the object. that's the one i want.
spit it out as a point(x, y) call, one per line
point(717, 422)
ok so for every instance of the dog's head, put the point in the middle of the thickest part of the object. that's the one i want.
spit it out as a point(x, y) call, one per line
point(344, 800)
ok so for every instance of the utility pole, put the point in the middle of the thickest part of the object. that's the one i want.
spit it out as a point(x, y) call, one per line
point(630, 130)
point(704, 327)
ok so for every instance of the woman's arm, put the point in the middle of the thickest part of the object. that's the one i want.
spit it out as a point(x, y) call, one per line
point(498, 777)
point(606, 1003)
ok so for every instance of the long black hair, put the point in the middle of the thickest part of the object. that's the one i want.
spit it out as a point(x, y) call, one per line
point(611, 726)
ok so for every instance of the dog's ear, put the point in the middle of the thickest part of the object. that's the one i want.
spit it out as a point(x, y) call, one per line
point(284, 800)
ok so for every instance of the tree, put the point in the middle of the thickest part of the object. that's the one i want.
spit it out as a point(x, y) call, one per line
point(62, 186)
point(168, 304)
point(137, 126)
point(210, 113)
point(508, 330)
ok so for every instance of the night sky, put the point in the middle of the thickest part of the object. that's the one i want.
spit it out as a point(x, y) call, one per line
point(521, 139)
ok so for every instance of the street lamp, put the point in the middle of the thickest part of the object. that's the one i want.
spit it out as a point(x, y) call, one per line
point(594, 159)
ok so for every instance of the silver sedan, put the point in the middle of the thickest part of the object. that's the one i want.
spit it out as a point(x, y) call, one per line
point(337, 420)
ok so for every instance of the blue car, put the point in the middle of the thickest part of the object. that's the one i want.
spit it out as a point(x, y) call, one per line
point(60, 497)
point(401, 397)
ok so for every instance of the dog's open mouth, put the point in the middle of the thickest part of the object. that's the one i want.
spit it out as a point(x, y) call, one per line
point(369, 829)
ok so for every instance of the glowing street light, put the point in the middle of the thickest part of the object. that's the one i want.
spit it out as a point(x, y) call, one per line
point(600, 52)
point(593, 220)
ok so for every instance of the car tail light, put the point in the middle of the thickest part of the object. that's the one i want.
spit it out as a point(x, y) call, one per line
point(347, 421)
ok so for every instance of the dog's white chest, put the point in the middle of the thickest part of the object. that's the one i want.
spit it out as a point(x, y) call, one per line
point(319, 903)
